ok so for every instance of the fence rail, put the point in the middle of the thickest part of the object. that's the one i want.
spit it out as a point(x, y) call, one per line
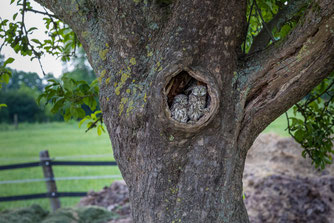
point(21, 165)
point(58, 163)
point(70, 157)
point(46, 163)
point(60, 179)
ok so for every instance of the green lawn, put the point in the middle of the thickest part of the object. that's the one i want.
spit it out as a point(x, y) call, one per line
point(279, 125)
point(66, 141)
point(63, 140)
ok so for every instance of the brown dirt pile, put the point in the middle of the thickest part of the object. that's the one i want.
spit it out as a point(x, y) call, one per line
point(281, 186)
point(114, 198)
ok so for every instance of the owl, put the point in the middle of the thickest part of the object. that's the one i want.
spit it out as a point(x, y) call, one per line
point(197, 103)
point(179, 108)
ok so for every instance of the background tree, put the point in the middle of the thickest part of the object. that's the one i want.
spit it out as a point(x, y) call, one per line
point(79, 69)
point(144, 53)
point(20, 96)
point(20, 104)
point(19, 78)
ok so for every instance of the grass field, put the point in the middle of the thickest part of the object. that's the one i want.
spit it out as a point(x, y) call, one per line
point(63, 140)
point(279, 125)
point(67, 142)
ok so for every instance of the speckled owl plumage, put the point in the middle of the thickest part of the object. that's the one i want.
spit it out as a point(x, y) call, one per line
point(179, 108)
point(197, 102)
point(189, 109)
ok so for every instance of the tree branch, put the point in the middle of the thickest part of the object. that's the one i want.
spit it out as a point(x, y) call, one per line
point(248, 22)
point(42, 13)
point(266, 28)
point(284, 73)
point(24, 30)
point(283, 15)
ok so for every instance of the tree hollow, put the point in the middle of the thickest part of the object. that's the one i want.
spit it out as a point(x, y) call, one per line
point(180, 81)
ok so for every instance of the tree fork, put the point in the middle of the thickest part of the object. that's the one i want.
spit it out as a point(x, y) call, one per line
point(191, 172)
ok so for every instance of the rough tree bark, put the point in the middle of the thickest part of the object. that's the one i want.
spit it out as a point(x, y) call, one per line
point(192, 172)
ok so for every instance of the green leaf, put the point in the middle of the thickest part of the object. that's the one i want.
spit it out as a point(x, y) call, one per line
point(32, 29)
point(14, 16)
point(58, 105)
point(299, 135)
point(97, 112)
point(82, 121)
point(39, 98)
point(80, 112)
point(3, 106)
point(36, 41)
point(69, 83)
point(102, 128)
point(73, 111)
point(67, 115)
point(5, 78)
point(328, 159)
point(99, 130)
point(92, 103)
point(8, 61)
point(86, 101)
point(93, 116)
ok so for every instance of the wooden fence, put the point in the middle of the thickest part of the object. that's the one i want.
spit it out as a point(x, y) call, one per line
point(46, 163)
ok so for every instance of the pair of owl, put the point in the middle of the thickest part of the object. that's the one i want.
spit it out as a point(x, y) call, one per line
point(190, 109)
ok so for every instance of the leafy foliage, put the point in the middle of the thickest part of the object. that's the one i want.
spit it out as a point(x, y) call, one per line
point(263, 16)
point(314, 130)
point(268, 9)
point(62, 41)
point(68, 96)
point(95, 121)
point(5, 73)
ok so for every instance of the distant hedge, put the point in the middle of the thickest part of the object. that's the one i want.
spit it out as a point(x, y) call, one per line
point(25, 106)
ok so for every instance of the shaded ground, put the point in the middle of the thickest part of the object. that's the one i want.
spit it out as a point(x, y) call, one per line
point(279, 185)
point(35, 214)
point(114, 198)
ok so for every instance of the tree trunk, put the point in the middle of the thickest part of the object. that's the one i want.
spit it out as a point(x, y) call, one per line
point(143, 50)
point(182, 172)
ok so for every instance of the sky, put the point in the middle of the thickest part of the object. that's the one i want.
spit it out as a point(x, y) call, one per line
point(50, 63)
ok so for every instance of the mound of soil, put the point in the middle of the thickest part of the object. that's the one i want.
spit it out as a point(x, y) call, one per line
point(36, 214)
point(279, 198)
point(281, 186)
point(114, 198)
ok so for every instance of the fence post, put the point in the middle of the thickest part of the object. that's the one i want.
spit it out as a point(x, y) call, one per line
point(16, 121)
point(49, 177)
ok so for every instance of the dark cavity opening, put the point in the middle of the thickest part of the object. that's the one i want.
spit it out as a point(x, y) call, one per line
point(184, 101)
